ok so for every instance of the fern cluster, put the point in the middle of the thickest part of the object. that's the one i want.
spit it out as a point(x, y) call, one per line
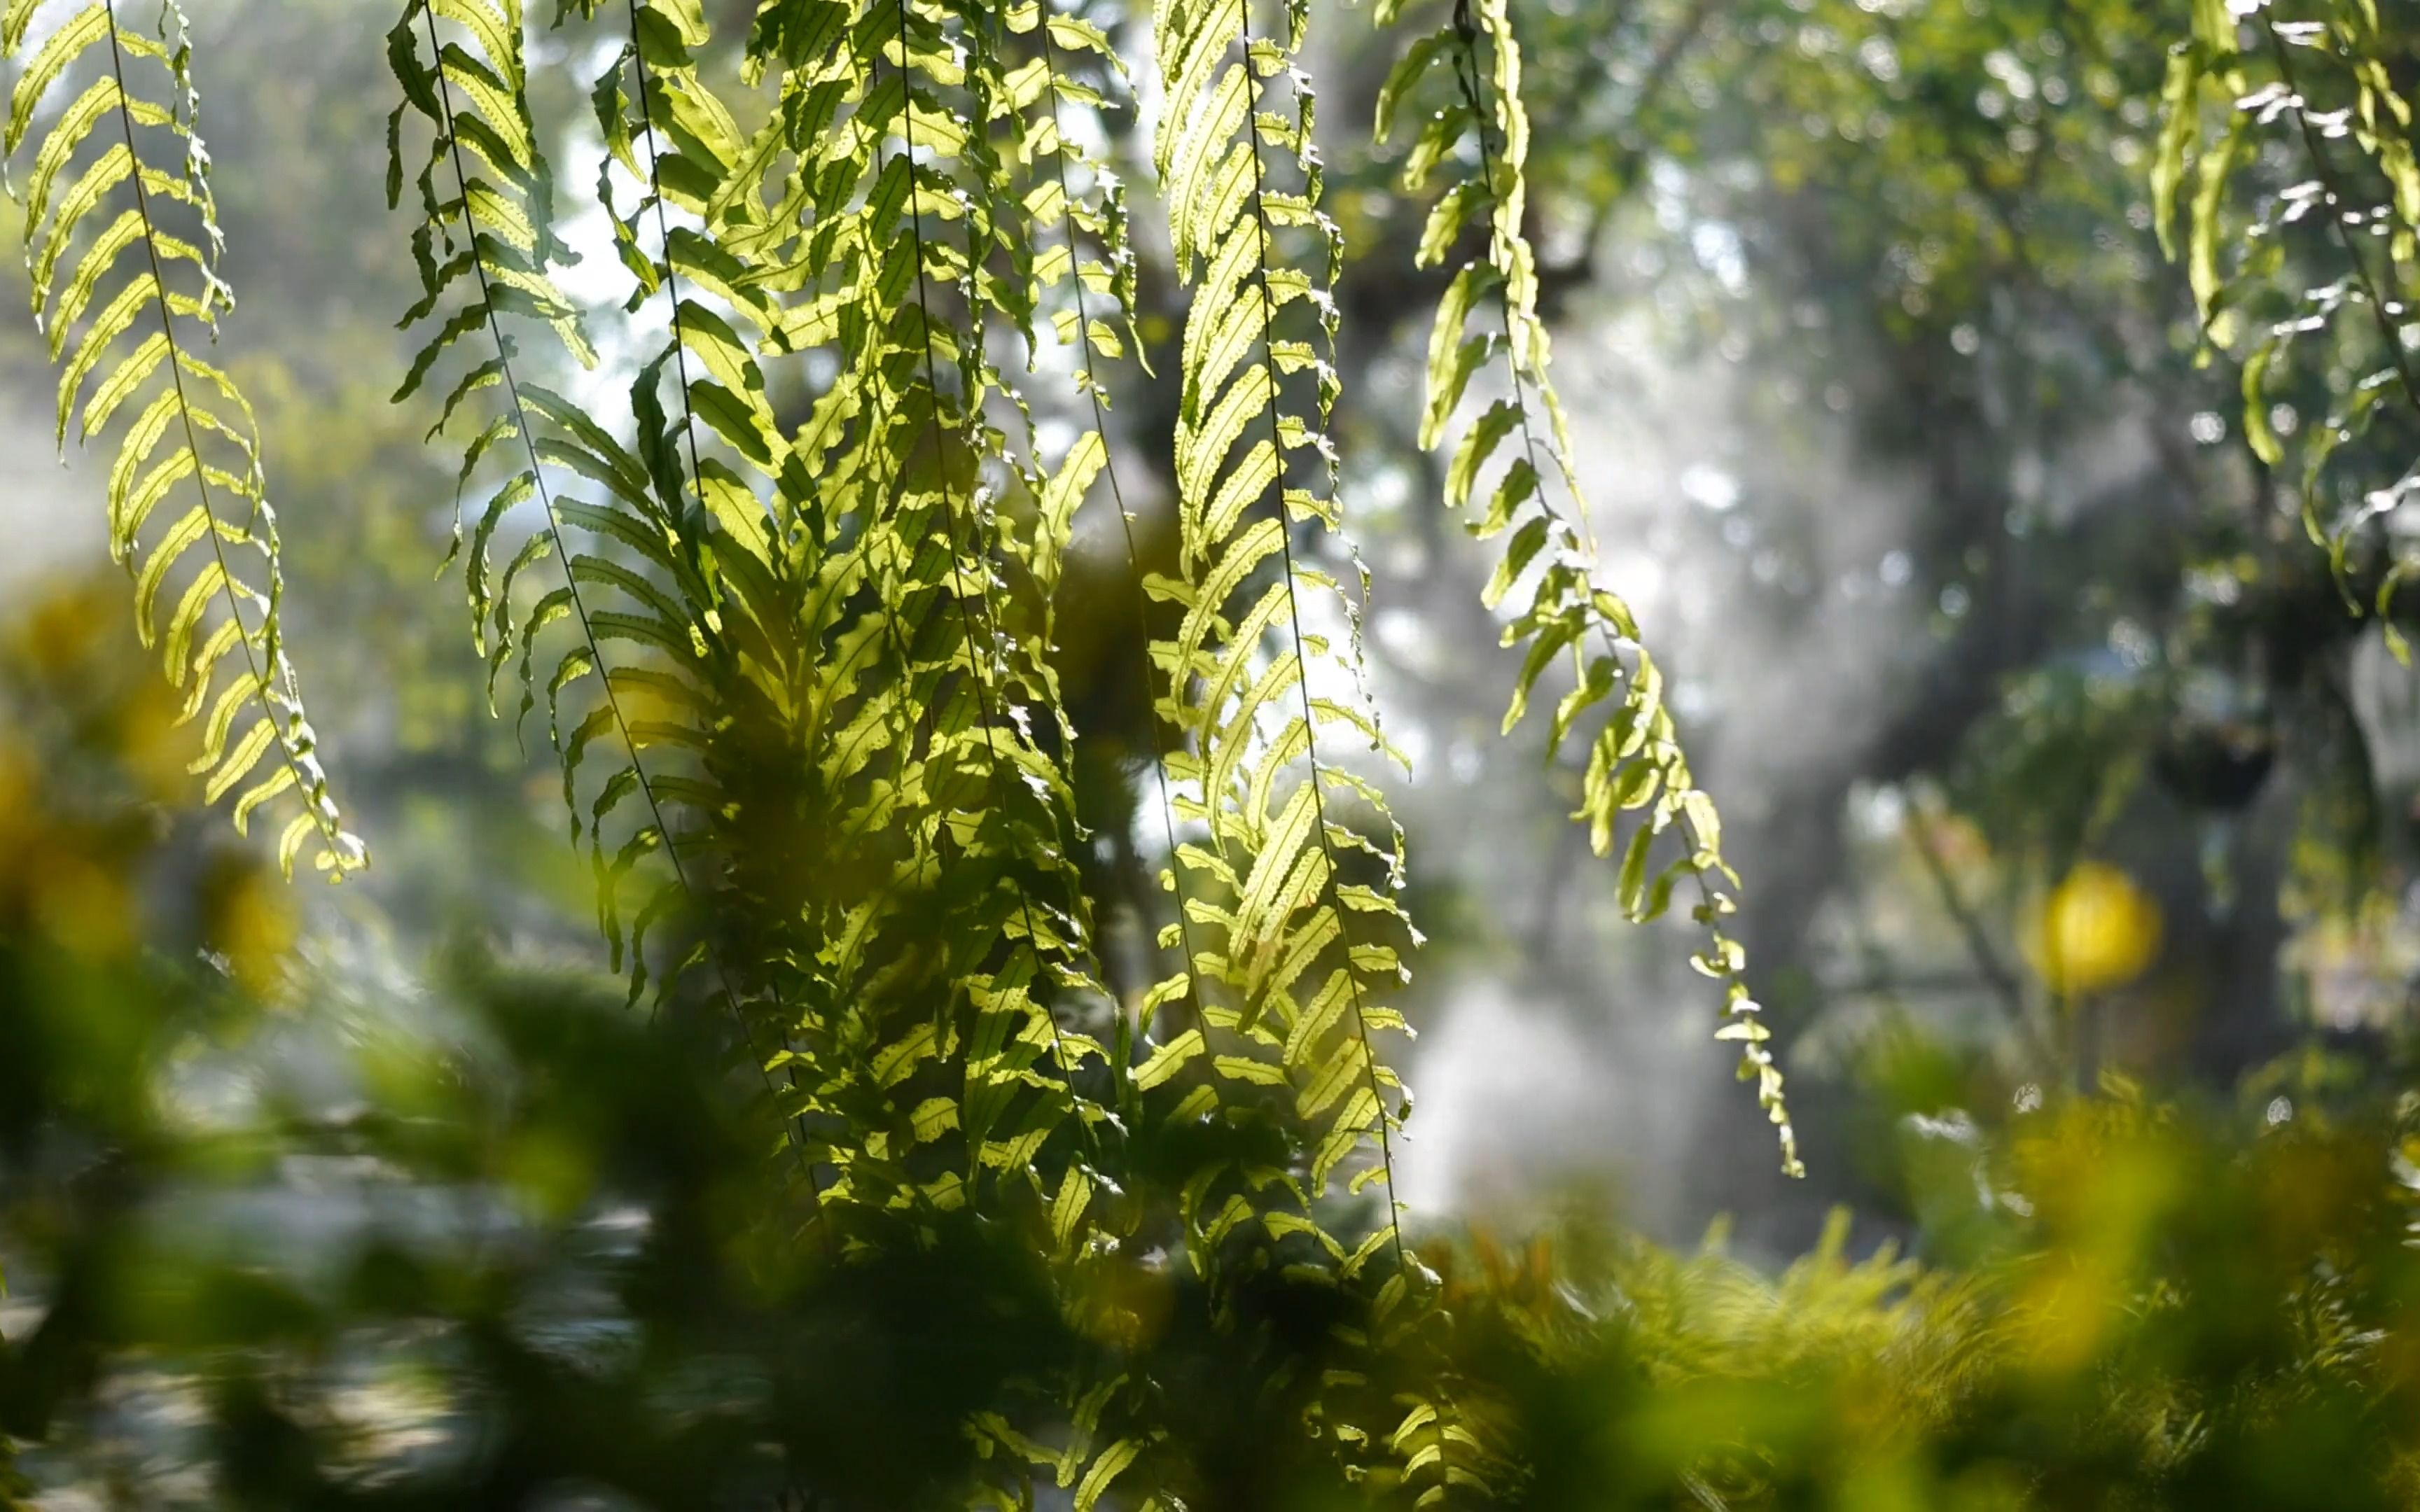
point(790, 612)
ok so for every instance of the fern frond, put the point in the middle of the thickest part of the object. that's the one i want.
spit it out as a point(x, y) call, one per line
point(1007, 1115)
point(126, 298)
point(1512, 468)
point(484, 246)
point(1020, 680)
point(1294, 948)
point(657, 696)
point(688, 139)
point(486, 240)
point(1095, 319)
point(1003, 1112)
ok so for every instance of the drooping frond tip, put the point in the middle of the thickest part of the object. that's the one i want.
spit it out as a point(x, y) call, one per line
point(122, 243)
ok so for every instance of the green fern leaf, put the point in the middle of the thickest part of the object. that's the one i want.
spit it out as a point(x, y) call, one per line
point(208, 586)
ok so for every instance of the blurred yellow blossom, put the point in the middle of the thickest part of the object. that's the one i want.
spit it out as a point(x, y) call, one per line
point(2099, 931)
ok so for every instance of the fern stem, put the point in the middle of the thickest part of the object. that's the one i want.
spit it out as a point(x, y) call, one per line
point(329, 837)
point(580, 607)
point(663, 233)
point(1468, 78)
point(1294, 614)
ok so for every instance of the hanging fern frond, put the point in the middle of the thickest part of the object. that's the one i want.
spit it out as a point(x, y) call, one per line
point(649, 698)
point(1025, 1072)
point(711, 459)
point(1007, 651)
point(486, 240)
point(1291, 945)
point(1085, 281)
point(1512, 468)
point(122, 245)
point(484, 246)
point(2288, 137)
point(844, 816)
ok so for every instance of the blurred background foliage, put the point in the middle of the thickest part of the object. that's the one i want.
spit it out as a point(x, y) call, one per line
point(2074, 807)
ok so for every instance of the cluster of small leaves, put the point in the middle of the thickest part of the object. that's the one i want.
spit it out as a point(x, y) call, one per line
point(122, 245)
point(2288, 153)
point(1511, 471)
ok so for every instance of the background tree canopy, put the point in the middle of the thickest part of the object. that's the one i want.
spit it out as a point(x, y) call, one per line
point(1020, 524)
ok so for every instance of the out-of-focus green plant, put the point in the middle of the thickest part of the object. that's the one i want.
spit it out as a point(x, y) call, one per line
point(2168, 1311)
point(506, 1244)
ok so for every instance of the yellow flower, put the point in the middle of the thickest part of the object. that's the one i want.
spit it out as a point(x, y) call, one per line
point(2098, 931)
